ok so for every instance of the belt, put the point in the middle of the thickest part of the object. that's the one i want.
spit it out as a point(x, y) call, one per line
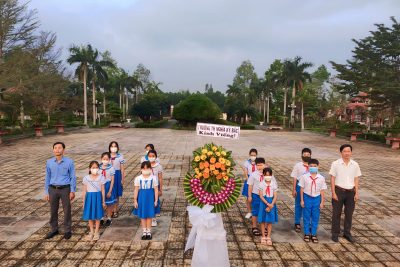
point(344, 189)
point(60, 186)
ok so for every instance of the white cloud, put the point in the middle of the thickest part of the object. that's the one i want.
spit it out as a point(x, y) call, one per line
point(187, 44)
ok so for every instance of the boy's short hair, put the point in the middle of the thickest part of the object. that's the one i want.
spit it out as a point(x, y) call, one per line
point(306, 150)
point(260, 160)
point(59, 143)
point(344, 146)
point(267, 170)
point(253, 150)
point(313, 161)
point(145, 164)
point(106, 154)
point(150, 145)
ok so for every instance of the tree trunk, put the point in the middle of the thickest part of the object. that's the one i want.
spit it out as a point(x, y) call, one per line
point(120, 97)
point(84, 97)
point(94, 102)
point(302, 116)
point(104, 103)
point(22, 113)
point(48, 116)
point(268, 109)
point(127, 105)
point(264, 111)
point(284, 107)
point(123, 105)
point(293, 106)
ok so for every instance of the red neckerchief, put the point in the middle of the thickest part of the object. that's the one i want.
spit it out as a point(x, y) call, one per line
point(103, 171)
point(268, 191)
point(253, 167)
point(261, 177)
point(313, 182)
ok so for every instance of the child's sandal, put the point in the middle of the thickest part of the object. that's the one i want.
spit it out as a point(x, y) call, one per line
point(96, 236)
point(269, 241)
point(255, 231)
point(307, 238)
point(297, 228)
point(263, 240)
point(89, 237)
point(314, 239)
point(144, 235)
point(114, 215)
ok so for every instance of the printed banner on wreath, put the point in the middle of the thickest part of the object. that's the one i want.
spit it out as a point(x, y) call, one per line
point(217, 130)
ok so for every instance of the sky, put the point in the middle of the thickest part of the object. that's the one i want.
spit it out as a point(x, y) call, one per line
point(188, 43)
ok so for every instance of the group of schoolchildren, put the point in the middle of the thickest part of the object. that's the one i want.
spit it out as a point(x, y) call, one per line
point(104, 186)
point(260, 189)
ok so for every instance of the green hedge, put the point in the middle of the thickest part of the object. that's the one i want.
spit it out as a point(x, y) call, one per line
point(248, 127)
point(153, 124)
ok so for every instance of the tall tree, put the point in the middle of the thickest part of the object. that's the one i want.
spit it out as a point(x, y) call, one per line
point(17, 25)
point(374, 68)
point(83, 56)
point(295, 74)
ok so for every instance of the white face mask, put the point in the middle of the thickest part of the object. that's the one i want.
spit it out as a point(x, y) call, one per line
point(105, 162)
point(114, 149)
point(146, 172)
point(94, 171)
point(253, 158)
point(268, 178)
point(152, 159)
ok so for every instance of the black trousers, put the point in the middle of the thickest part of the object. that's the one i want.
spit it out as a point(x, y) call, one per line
point(55, 196)
point(346, 199)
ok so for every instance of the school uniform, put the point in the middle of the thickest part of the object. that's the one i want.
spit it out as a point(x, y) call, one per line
point(254, 180)
point(93, 208)
point(157, 169)
point(299, 170)
point(146, 194)
point(250, 167)
point(312, 200)
point(117, 161)
point(108, 172)
point(268, 190)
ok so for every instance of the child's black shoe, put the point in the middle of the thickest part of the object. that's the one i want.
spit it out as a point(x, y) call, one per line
point(108, 223)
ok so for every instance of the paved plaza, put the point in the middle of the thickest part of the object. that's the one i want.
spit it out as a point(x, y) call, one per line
point(24, 215)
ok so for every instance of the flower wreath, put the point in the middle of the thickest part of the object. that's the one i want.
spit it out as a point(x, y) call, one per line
point(212, 180)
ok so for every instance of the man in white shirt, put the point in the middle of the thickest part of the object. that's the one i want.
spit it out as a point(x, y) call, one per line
point(345, 174)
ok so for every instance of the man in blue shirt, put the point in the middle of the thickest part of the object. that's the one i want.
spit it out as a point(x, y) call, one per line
point(60, 183)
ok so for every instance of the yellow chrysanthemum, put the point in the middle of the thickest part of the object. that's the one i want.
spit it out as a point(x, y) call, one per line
point(209, 153)
point(204, 151)
point(196, 170)
point(203, 157)
point(226, 178)
point(223, 153)
point(227, 163)
point(214, 148)
point(221, 160)
point(217, 154)
point(197, 158)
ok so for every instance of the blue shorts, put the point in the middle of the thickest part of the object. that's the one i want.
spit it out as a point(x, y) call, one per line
point(255, 204)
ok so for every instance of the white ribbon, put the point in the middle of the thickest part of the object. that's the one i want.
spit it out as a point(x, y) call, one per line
point(200, 218)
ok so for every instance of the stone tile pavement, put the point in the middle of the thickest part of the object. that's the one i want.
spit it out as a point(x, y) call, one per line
point(24, 215)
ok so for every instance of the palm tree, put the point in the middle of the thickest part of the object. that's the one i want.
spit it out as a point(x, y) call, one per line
point(98, 72)
point(295, 76)
point(81, 55)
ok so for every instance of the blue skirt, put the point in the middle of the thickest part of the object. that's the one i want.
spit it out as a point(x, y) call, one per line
point(146, 207)
point(111, 200)
point(118, 189)
point(267, 217)
point(93, 209)
point(245, 190)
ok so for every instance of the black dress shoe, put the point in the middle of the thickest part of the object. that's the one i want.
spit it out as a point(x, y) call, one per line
point(349, 238)
point(67, 235)
point(335, 238)
point(52, 234)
